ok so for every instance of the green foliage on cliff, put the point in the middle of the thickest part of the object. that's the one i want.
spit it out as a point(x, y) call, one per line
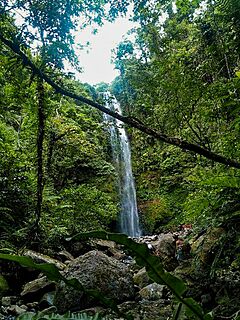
point(180, 77)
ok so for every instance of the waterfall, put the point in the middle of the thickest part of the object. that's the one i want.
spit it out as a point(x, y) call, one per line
point(128, 220)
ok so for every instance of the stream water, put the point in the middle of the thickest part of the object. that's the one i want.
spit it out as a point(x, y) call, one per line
point(128, 220)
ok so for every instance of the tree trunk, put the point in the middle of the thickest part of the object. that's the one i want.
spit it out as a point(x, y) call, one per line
point(40, 138)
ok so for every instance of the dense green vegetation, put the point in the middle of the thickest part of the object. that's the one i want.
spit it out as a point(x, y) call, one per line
point(179, 77)
point(179, 88)
point(78, 176)
point(56, 174)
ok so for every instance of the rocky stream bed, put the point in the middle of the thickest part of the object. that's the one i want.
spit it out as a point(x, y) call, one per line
point(105, 266)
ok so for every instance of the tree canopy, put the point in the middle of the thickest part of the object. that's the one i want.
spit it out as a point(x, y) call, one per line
point(178, 84)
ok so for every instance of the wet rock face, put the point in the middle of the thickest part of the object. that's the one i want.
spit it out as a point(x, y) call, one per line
point(206, 245)
point(94, 270)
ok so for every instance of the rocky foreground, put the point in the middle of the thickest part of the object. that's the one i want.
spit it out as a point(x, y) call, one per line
point(104, 266)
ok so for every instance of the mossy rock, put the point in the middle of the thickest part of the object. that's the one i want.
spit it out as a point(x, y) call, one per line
point(3, 286)
point(141, 278)
point(206, 245)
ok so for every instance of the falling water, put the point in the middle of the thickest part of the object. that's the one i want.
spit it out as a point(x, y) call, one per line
point(129, 221)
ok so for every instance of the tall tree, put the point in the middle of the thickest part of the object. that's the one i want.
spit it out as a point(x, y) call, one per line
point(49, 30)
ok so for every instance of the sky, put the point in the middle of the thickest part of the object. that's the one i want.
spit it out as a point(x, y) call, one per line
point(96, 63)
point(96, 60)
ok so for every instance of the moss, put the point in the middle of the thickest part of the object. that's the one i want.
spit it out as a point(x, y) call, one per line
point(3, 286)
point(154, 213)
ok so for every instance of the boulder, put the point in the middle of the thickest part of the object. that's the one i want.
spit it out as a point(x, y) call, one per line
point(42, 258)
point(34, 290)
point(141, 278)
point(206, 245)
point(165, 248)
point(153, 291)
point(94, 270)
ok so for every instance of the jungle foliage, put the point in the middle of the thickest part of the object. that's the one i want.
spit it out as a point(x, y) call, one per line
point(180, 76)
point(55, 168)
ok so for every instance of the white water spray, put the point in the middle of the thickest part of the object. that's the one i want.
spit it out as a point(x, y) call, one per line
point(129, 221)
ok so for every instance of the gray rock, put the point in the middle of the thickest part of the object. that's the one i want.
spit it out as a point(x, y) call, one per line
point(32, 305)
point(94, 270)
point(23, 307)
point(141, 278)
point(6, 301)
point(153, 291)
point(42, 258)
point(15, 310)
point(65, 255)
point(35, 289)
point(165, 248)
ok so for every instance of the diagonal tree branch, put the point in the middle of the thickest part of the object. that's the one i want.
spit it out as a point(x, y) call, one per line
point(128, 120)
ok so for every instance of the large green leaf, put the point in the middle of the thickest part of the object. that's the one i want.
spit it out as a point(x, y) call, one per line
point(195, 308)
point(50, 270)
